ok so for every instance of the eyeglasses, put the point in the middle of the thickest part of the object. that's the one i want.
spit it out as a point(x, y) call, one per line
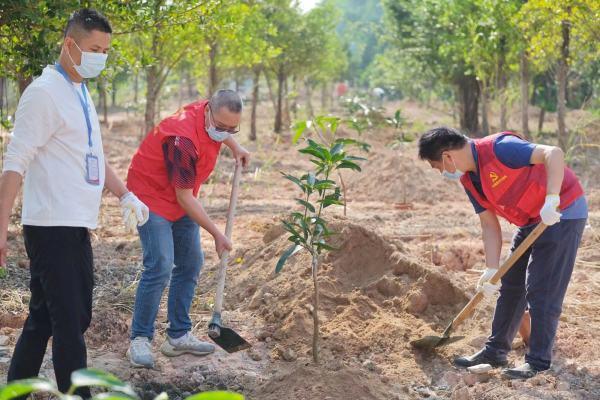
point(220, 128)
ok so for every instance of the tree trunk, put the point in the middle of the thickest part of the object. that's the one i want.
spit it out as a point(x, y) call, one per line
point(331, 89)
point(315, 344)
point(237, 83)
point(524, 70)
point(309, 106)
point(270, 87)
point(344, 192)
point(212, 73)
point(151, 97)
point(485, 125)
point(2, 94)
point(468, 102)
point(279, 108)
point(541, 120)
point(180, 95)
point(191, 90)
point(286, 105)
point(103, 102)
point(563, 70)
point(294, 105)
point(113, 95)
point(255, 93)
point(136, 87)
point(24, 81)
point(501, 85)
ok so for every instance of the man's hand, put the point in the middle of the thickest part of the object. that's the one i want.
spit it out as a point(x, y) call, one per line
point(484, 286)
point(241, 155)
point(489, 290)
point(222, 244)
point(549, 213)
point(135, 213)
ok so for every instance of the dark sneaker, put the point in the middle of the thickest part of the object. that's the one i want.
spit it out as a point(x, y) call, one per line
point(479, 358)
point(525, 371)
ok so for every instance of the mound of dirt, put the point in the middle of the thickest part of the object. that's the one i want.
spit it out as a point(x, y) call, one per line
point(398, 176)
point(374, 299)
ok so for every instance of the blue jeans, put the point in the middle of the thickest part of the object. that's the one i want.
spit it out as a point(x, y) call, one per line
point(538, 280)
point(172, 255)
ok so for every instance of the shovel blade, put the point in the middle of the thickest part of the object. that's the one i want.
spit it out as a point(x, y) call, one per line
point(431, 342)
point(230, 341)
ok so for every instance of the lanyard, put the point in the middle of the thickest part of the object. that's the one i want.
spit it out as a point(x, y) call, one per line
point(82, 100)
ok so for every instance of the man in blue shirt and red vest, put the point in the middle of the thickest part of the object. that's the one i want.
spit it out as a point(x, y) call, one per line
point(173, 161)
point(525, 183)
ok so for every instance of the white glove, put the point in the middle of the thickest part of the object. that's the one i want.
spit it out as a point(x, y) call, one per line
point(489, 290)
point(484, 286)
point(549, 212)
point(135, 213)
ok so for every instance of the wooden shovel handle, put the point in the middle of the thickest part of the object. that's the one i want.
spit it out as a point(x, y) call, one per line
point(467, 311)
point(228, 230)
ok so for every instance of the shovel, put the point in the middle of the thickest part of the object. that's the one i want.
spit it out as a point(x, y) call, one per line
point(430, 342)
point(225, 337)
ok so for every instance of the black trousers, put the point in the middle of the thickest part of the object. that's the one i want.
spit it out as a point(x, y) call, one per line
point(62, 279)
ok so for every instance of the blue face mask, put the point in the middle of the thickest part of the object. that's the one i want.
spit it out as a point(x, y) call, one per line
point(456, 175)
point(216, 135)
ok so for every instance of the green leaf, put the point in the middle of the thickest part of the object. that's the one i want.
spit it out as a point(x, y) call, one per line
point(306, 204)
point(24, 387)
point(290, 228)
point(324, 185)
point(330, 202)
point(96, 377)
point(354, 158)
point(297, 181)
point(216, 396)
point(299, 129)
point(286, 254)
point(337, 148)
point(348, 165)
point(313, 152)
point(324, 246)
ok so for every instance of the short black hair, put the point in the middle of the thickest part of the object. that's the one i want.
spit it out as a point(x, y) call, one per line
point(87, 19)
point(437, 140)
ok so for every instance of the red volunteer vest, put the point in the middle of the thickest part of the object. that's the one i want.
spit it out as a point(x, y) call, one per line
point(516, 194)
point(147, 176)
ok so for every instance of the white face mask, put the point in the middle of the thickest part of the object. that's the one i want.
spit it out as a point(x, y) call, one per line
point(216, 135)
point(456, 175)
point(91, 63)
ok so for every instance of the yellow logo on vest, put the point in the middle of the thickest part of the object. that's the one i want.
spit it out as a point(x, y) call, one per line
point(496, 180)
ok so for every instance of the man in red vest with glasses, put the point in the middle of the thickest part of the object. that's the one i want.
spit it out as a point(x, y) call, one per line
point(173, 161)
point(525, 183)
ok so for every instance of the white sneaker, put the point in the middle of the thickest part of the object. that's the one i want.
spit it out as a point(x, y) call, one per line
point(140, 353)
point(188, 343)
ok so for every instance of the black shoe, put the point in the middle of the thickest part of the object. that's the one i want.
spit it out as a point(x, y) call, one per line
point(479, 358)
point(525, 371)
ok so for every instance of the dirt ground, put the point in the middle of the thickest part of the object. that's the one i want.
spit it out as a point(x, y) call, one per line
point(409, 255)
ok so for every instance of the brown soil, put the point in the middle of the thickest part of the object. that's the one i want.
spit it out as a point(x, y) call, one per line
point(407, 259)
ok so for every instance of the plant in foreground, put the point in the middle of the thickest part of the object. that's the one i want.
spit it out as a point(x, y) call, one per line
point(116, 389)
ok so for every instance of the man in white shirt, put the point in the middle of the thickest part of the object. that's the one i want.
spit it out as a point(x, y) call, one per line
point(57, 140)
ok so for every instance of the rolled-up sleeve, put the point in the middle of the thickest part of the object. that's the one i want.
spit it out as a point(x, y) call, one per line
point(36, 121)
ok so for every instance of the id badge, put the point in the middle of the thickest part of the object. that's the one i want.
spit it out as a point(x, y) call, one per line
point(92, 169)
